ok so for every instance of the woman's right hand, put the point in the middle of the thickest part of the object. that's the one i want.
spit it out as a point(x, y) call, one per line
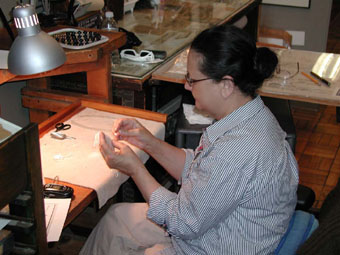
point(133, 132)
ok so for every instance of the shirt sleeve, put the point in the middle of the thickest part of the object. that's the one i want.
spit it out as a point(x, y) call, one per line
point(210, 191)
point(189, 156)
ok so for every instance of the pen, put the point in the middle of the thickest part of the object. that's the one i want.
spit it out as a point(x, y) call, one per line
point(321, 79)
point(311, 78)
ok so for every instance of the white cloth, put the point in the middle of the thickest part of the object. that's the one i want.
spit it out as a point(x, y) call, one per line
point(79, 162)
point(124, 230)
point(194, 116)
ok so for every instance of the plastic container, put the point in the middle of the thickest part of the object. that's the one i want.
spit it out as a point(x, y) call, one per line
point(109, 24)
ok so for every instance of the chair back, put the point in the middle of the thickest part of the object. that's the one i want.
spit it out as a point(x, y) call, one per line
point(269, 37)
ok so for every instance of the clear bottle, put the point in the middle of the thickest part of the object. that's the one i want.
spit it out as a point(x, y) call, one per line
point(109, 23)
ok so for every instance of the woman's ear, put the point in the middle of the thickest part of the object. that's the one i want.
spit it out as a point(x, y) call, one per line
point(227, 86)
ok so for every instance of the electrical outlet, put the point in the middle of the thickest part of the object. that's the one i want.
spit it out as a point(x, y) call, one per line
point(298, 37)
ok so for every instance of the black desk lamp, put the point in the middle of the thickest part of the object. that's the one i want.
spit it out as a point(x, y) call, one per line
point(33, 51)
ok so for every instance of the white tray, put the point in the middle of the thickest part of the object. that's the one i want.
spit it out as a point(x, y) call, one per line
point(102, 40)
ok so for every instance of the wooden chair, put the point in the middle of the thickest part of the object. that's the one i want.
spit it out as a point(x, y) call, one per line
point(21, 193)
point(266, 32)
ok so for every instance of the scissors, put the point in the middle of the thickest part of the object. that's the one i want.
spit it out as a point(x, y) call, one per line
point(61, 126)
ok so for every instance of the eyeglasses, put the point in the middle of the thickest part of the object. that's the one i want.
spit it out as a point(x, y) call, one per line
point(192, 81)
point(142, 56)
point(285, 74)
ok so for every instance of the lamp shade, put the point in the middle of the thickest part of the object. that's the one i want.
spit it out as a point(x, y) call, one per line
point(33, 51)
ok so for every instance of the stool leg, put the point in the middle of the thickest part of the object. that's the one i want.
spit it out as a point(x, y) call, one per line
point(338, 114)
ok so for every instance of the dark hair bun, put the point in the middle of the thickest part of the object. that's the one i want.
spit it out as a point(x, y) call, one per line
point(228, 50)
point(265, 62)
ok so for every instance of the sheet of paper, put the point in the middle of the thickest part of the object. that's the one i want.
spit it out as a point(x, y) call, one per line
point(55, 214)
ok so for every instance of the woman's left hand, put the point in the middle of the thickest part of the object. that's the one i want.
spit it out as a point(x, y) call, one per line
point(119, 155)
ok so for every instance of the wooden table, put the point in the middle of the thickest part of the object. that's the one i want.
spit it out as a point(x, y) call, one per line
point(95, 61)
point(83, 196)
point(299, 87)
point(171, 27)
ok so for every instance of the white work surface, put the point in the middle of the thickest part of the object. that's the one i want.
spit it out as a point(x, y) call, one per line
point(79, 162)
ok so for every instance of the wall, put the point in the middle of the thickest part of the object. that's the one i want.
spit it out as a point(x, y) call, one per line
point(314, 21)
point(6, 6)
point(10, 103)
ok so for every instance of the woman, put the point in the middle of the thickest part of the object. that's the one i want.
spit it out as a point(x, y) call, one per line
point(238, 188)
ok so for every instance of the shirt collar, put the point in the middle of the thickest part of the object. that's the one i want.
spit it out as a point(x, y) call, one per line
point(233, 119)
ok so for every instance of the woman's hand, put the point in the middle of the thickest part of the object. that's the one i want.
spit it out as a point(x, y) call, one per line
point(133, 132)
point(119, 156)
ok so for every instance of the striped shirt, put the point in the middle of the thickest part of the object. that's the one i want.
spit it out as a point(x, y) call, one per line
point(238, 188)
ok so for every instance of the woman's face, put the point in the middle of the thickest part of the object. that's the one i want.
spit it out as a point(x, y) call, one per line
point(206, 93)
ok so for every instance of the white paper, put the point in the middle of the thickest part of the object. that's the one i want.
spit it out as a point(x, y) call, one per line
point(3, 59)
point(56, 210)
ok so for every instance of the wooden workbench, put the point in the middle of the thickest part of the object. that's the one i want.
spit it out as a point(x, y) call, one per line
point(95, 61)
point(84, 196)
point(171, 27)
point(298, 88)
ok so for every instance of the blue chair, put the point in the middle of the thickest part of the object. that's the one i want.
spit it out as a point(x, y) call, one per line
point(304, 237)
point(301, 226)
point(326, 238)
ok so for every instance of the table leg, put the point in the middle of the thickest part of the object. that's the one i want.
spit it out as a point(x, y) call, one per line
point(36, 115)
point(99, 81)
point(338, 114)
